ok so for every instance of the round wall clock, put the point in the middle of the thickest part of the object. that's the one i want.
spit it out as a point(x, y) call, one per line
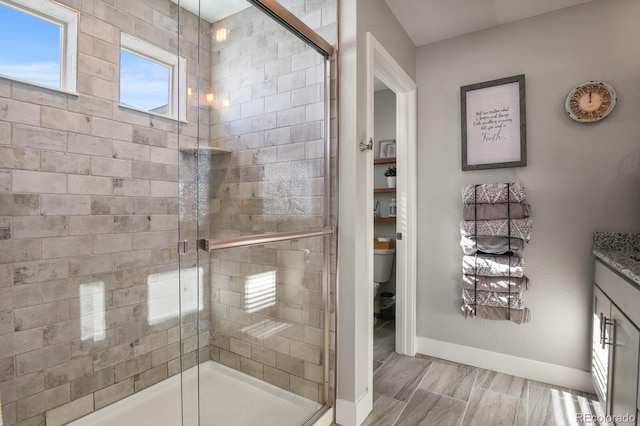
point(591, 101)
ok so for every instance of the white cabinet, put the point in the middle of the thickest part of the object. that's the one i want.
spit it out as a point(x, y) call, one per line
point(624, 363)
point(615, 345)
point(599, 348)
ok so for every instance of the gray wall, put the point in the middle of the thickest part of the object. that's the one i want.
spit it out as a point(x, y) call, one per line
point(355, 19)
point(580, 178)
point(375, 16)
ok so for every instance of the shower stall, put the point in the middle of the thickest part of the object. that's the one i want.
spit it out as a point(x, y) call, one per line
point(167, 249)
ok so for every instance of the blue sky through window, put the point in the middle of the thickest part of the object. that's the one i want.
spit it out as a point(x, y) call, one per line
point(30, 50)
point(29, 47)
point(144, 84)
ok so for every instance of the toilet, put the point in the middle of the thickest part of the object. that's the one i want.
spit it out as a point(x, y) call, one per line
point(382, 267)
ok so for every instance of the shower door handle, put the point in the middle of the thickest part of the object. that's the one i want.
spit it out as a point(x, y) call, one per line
point(183, 247)
point(260, 239)
point(366, 146)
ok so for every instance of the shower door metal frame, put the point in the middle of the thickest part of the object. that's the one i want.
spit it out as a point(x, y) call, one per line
point(324, 48)
point(295, 25)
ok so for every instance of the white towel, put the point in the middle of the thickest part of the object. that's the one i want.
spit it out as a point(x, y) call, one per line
point(493, 265)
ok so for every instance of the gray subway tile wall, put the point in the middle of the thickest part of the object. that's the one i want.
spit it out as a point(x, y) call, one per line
point(88, 213)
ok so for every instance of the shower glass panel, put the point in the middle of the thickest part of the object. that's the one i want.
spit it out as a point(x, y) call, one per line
point(194, 45)
point(254, 198)
point(267, 335)
point(268, 112)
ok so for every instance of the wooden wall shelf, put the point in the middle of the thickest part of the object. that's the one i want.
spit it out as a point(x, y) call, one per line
point(384, 219)
point(384, 189)
point(384, 160)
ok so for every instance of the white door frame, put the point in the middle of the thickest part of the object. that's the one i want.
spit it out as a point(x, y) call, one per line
point(381, 64)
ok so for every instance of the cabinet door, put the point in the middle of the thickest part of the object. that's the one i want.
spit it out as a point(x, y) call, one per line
point(600, 356)
point(624, 386)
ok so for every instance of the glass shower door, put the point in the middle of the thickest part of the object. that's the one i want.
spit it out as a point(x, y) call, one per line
point(194, 46)
point(268, 340)
point(254, 195)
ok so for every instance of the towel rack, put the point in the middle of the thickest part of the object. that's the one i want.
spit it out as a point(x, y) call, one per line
point(499, 265)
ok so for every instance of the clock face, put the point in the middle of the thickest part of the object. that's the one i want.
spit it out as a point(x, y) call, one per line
point(590, 102)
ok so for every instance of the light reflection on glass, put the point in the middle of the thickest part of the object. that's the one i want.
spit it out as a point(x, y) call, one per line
point(265, 328)
point(92, 312)
point(168, 290)
point(221, 35)
point(259, 291)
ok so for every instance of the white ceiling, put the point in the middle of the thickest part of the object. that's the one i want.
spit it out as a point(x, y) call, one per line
point(213, 11)
point(428, 21)
point(425, 21)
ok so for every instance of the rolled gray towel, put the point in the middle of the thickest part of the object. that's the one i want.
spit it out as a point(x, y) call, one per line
point(494, 193)
point(495, 211)
point(514, 228)
point(492, 298)
point(519, 316)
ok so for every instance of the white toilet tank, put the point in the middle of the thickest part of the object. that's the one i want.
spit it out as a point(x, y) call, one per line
point(382, 264)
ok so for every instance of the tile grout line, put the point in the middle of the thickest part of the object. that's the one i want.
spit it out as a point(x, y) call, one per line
point(508, 396)
point(414, 392)
point(466, 407)
point(526, 419)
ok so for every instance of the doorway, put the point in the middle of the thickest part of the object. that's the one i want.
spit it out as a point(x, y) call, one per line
point(384, 223)
point(382, 67)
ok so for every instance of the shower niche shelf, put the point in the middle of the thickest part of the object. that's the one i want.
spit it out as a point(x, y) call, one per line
point(210, 149)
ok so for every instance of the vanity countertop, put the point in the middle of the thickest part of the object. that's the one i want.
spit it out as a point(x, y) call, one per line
point(619, 251)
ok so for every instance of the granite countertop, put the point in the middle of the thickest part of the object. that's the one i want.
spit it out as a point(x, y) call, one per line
point(619, 251)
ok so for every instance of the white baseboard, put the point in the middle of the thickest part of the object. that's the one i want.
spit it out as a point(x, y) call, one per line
point(353, 413)
point(522, 367)
point(325, 420)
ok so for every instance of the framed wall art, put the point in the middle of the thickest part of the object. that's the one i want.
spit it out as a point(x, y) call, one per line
point(391, 150)
point(384, 148)
point(494, 124)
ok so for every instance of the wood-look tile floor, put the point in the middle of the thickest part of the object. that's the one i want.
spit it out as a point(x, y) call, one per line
point(429, 391)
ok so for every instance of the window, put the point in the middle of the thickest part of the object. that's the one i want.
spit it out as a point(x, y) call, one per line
point(152, 79)
point(39, 43)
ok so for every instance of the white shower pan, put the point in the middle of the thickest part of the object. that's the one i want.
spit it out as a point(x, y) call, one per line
point(227, 397)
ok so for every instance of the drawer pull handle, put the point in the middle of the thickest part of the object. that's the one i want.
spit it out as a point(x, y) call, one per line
point(604, 322)
point(602, 329)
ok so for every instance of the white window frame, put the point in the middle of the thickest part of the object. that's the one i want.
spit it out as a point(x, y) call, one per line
point(177, 73)
point(68, 19)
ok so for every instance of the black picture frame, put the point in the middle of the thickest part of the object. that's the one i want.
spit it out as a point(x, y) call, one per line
point(494, 135)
